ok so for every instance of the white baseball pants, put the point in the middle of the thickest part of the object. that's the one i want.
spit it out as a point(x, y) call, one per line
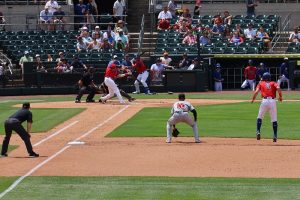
point(284, 79)
point(142, 78)
point(268, 105)
point(249, 82)
point(113, 89)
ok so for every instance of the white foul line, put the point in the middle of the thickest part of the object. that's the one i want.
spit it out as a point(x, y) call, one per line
point(54, 134)
point(19, 180)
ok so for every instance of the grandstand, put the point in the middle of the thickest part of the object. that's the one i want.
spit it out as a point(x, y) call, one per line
point(23, 33)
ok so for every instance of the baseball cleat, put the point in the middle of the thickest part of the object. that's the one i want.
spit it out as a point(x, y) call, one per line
point(90, 100)
point(131, 99)
point(258, 136)
point(102, 101)
point(197, 141)
point(34, 155)
point(168, 141)
point(136, 92)
point(274, 139)
point(4, 155)
point(77, 101)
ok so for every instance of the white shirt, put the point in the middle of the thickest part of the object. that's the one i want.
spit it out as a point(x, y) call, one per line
point(191, 67)
point(52, 5)
point(118, 8)
point(250, 33)
point(105, 35)
point(157, 71)
point(294, 36)
point(181, 106)
point(163, 15)
point(1, 70)
point(166, 61)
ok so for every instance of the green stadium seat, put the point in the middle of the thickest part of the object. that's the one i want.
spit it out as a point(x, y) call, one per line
point(229, 50)
point(252, 50)
point(217, 50)
point(96, 56)
point(240, 50)
point(206, 50)
point(292, 50)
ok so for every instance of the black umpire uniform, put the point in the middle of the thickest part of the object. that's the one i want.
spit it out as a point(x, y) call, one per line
point(88, 85)
point(14, 123)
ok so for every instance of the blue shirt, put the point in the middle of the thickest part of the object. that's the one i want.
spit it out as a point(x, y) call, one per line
point(217, 75)
point(126, 63)
point(261, 71)
point(79, 9)
point(284, 69)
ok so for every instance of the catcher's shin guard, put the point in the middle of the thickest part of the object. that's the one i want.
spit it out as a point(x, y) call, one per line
point(124, 94)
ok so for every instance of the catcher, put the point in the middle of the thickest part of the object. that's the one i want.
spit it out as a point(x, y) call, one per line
point(180, 113)
point(86, 84)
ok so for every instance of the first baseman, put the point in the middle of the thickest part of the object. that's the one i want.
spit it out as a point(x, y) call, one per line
point(180, 113)
point(250, 76)
point(268, 90)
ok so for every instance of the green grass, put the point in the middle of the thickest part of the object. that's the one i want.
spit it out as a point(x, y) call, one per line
point(44, 119)
point(162, 188)
point(227, 120)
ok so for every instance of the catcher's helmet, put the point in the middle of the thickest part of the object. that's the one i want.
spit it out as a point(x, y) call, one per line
point(266, 76)
point(26, 105)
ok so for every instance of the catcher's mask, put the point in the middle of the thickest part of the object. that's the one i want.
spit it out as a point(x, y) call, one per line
point(181, 97)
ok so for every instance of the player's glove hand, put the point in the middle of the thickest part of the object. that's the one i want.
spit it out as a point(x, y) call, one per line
point(175, 132)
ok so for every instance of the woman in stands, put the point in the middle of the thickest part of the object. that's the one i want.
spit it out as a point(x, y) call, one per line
point(189, 39)
point(236, 39)
point(94, 45)
point(264, 36)
point(186, 16)
point(106, 46)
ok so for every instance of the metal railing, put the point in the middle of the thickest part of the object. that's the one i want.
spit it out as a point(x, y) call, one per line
point(284, 27)
point(6, 61)
point(32, 2)
point(141, 35)
point(165, 2)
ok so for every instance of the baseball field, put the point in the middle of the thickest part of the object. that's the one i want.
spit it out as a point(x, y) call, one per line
point(112, 151)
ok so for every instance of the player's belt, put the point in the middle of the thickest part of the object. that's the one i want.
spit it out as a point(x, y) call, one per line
point(269, 98)
point(180, 112)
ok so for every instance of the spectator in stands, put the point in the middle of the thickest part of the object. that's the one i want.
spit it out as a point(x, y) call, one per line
point(110, 36)
point(39, 64)
point(98, 36)
point(250, 33)
point(197, 7)
point(86, 36)
point(165, 14)
point(265, 38)
point(239, 30)
point(2, 22)
point(63, 67)
point(24, 59)
point(59, 19)
point(186, 16)
point(61, 56)
point(94, 45)
point(184, 26)
point(204, 39)
point(124, 40)
point(251, 4)
point(164, 24)
point(172, 8)
point(91, 7)
point(121, 25)
point(195, 65)
point(227, 19)
point(106, 46)
point(96, 31)
point(118, 10)
point(89, 19)
point(79, 11)
point(81, 45)
point(217, 19)
point(185, 62)
point(156, 72)
point(218, 27)
point(77, 64)
point(295, 36)
point(46, 19)
point(227, 32)
point(165, 59)
point(49, 58)
point(189, 39)
point(236, 39)
point(52, 5)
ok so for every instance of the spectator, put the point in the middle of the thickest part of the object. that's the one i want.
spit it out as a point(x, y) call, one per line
point(77, 64)
point(61, 56)
point(184, 27)
point(126, 63)
point(49, 58)
point(236, 39)
point(110, 36)
point(91, 7)
point(189, 39)
point(251, 4)
point(106, 46)
point(59, 19)
point(227, 32)
point(204, 39)
point(156, 71)
point(2, 22)
point(123, 38)
point(217, 18)
point(186, 16)
point(227, 19)
point(195, 65)
point(172, 8)
point(46, 19)
point(24, 59)
point(185, 62)
point(197, 7)
point(118, 10)
point(81, 45)
point(63, 67)
point(250, 33)
point(52, 5)
point(218, 78)
point(79, 11)
point(264, 36)
point(295, 37)
point(98, 36)
point(86, 36)
point(96, 31)
point(94, 45)
point(261, 70)
point(166, 60)
point(239, 30)
point(89, 19)
point(164, 24)
point(165, 14)
point(218, 27)
point(121, 25)
point(39, 64)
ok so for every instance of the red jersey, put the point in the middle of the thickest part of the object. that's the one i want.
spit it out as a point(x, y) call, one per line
point(250, 72)
point(139, 66)
point(111, 71)
point(267, 88)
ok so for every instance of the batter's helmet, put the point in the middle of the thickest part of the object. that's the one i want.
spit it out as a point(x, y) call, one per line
point(266, 76)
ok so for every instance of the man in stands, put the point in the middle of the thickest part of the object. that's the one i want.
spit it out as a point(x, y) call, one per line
point(77, 64)
point(52, 5)
point(251, 4)
point(250, 32)
point(295, 37)
point(124, 39)
point(81, 45)
point(79, 10)
point(118, 10)
point(227, 19)
point(25, 58)
point(172, 7)
point(164, 14)
point(46, 19)
point(185, 62)
point(59, 17)
point(218, 27)
point(165, 59)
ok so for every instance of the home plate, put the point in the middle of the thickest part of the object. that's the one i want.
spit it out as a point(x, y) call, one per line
point(76, 143)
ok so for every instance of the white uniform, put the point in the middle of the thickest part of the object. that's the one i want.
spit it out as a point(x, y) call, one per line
point(180, 113)
point(268, 105)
